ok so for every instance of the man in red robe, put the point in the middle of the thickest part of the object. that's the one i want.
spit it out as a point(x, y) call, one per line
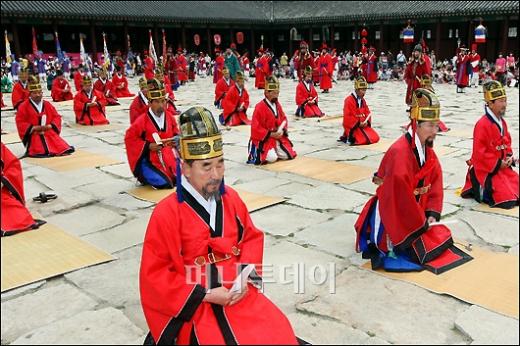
point(106, 87)
point(474, 60)
point(89, 105)
point(78, 77)
point(121, 84)
point(426, 83)
point(149, 66)
point(149, 141)
point(220, 62)
point(140, 103)
point(197, 240)
point(398, 228)
point(170, 96)
point(357, 120)
point(326, 69)
point(15, 215)
point(369, 67)
point(61, 90)
point(20, 90)
point(307, 97)
point(302, 60)
point(170, 68)
point(235, 103)
point(415, 68)
point(491, 178)
point(260, 69)
point(222, 87)
point(182, 67)
point(269, 140)
point(463, 69)
point(39, 125)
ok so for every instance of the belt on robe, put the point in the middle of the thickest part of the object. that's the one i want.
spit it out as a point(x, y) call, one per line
point(214, 257)
point(422, 190)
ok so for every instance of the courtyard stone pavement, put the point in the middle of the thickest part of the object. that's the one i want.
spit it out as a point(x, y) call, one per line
point(314, 226)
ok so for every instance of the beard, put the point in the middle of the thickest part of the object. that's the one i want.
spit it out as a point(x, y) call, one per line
point(216, 193)
point(274, 100)
point(429, 142)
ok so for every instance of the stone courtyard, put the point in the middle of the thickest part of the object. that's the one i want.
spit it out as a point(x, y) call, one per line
point(314, 226)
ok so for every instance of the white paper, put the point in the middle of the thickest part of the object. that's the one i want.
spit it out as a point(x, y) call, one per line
point(282, 125)
point(241, 279)
point(43, 120)
point(450, 222)
point(157, 138)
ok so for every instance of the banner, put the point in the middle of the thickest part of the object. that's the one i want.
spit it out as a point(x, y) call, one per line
point(59, 52)
point(34, 45)
point(164, 46)
point(216, 39)
point(240, 37)
point(82, 53)
point(7, 49)
point(151, 49)
point(196, 39)
point(480, 34)
point(106, 55)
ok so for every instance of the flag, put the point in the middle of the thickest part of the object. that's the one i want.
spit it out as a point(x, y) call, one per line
point(106, 55)
point(82, 53)
point(129, 45)
point(7, 49)
point(163, 45)
point(151, 49)
point(34, 45)
point(59, 52)
point(408, 35)
point(480, 34)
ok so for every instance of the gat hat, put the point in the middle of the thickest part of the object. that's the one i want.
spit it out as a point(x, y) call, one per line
point(34, 84)
point(360, 83)
point(418, 48)
point(426, 82)
point(239, 76)
point(272, 84)
point(308, 70)
point(425, 106)
point(200, 136)
point(156, 89)
point(86, 80)
point(142, 83)
point(493, 90)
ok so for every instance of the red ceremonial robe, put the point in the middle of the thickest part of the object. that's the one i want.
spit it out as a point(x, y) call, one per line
point(462, 71)
point(326, 69)
point(353, 115)
point(306, 92)
point(41, 145)
point(90, 115)
point(499, 186)
point(260, 74)
point(301, 62)
point(233, 100)
point(408, 195)
point(2, 104)
point(219, 65)
point(137, 139)
point(61, 90)
point(182, 64)
point(15, 216)
point(20, 94)
point(171, 70)
point(149, 68)
point(475, 60)
point(369, 68)
point(412, 75)
point(316, 70)
point(264, 122)
point(221, 89)
point(108, 90)
point(173, 288)
point(78, 79)
point(121, 86)
point(139, 106)
point(171, 96)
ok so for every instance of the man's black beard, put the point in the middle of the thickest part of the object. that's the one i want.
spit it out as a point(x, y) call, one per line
point(274, 100)
point(215, 194)
point(429, 142)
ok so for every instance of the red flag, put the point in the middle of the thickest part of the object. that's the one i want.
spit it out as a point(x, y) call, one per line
point(164, 46)
point(34, 45)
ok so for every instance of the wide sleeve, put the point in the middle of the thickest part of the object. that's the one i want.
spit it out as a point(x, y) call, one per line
point(349, 119)
point(166, 294)
point(11, 174)
point(24, 124)
point(53, 117)
point(17, 95)
point(301, 94)
point(402, 216)
point(136, 145)
point(436, 194)
point(258, 130)
point(80, 103)
point(484, 158)
point(230, 102)
point(245, 99)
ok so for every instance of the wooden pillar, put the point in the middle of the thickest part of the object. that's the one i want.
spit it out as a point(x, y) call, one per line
point(505, 31)
point(93, 46)
point(16, 38)
point(438, 40)
point(290, 52)
point(231, 38)
point(183, 36)
point(331, 36)
point(470, 34)
point(253, 46)
point(156, 40)
point(355, 38)
point(208, 34)
point(125, 34)
point(310, 39)
point(271, 40)
point(381, 38)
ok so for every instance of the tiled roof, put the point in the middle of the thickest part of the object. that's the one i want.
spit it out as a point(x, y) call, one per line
point(255, 12)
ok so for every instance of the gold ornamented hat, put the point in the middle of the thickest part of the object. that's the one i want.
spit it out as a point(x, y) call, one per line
point(360, 83)
point(239, 76)
point(272, 83)
point(34, 84)
point(308, 70)
point(86, 80)
point(156, 89)
point(493, 90)
point(200, 137)
point(425, 106)
point(142, 83)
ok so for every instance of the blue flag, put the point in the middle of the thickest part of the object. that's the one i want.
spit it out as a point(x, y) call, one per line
point(59, 52)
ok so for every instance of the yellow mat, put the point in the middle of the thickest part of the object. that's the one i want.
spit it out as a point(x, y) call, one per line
point(77, 160)
point(486, 208)
point(95, 129)
point(11, 138)
point(331, 171)
point(462, 133)
point(253, 201)
point(384, 144)
point(490, 280)
point(63, 104)
point(331, 117)
point(43, 253)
